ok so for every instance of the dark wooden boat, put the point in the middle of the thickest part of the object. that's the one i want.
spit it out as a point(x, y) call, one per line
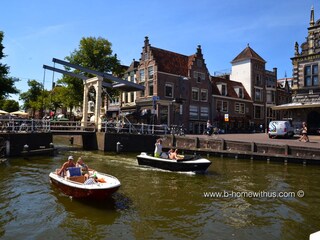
point(74, 186)
point(188, 164)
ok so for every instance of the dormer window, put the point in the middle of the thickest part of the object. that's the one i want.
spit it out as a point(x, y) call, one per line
point(239, 91)
point(222, 88)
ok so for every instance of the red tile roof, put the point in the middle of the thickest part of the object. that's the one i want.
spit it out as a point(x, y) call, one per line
point(248, 53)
point(171, 62)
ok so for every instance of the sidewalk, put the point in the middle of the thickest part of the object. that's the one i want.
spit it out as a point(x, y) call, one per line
point(264, 138)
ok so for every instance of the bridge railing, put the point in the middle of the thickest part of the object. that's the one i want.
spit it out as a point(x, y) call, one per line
point(47, 125)
point(69, 126)
point(150, 129)
point(24, 125)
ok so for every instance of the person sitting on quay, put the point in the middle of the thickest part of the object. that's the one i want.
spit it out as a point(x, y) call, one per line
point(63, 170)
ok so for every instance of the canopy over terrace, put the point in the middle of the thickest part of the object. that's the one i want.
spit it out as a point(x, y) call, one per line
point(97, 82)
point(289, 106)
point(3, 112)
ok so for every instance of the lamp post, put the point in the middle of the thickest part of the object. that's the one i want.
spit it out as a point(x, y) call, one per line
point(182, 96)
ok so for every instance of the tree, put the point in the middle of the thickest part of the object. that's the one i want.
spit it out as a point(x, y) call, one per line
point(34, 97)
point(62, 97)
point(93, 53)
point(6, 83)
point(9, 105)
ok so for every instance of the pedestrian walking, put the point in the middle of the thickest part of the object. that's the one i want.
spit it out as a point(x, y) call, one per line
point(304, 133)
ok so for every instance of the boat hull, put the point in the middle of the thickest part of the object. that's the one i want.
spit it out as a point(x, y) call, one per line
point(81, 191)
point(199, 165)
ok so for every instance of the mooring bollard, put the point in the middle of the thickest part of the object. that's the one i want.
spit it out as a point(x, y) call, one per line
point(119, 147)
point(71, 140)
point(26, 148)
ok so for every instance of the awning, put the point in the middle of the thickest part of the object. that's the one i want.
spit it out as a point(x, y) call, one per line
point(126, 113)
point(3, 112)
point(296, 106)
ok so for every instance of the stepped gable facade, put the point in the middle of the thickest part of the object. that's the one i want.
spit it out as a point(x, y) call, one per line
point(177, 88)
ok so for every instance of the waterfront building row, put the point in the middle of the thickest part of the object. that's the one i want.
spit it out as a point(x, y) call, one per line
point(179, 90)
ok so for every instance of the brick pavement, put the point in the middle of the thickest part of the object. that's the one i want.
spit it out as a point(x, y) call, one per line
point(263, 138)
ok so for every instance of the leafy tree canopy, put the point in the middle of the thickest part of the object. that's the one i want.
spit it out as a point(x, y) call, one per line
point(9, 105)
point(6, 83)
point(32, 96)
point(93, 53)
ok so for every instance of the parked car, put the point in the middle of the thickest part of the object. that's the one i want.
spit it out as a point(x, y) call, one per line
point(280, 129)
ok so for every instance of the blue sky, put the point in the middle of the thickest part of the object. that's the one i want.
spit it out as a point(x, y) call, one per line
point(37, 31)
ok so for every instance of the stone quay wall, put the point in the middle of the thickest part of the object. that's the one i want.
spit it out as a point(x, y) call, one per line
point(243, 149)
point(14, 144)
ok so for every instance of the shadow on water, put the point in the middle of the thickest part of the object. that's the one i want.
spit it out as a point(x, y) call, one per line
point(106, 211)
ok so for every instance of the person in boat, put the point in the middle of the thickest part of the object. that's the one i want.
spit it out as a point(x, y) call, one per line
point(94, 179)
point(63, 170)
point(158, 148)
point(84, 167)
point(91, 180)
point(173, 154)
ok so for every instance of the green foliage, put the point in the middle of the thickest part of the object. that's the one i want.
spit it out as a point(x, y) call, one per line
point(63, 97)
point(6, 83)
point(33, 98)
point(9, 105)
point(93, 53)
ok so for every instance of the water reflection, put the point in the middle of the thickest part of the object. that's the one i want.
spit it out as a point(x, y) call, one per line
point(153, 203)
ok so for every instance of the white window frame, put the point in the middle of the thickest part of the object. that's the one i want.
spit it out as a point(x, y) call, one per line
point(197, 91)
point(255, 94)
point(150, 72)
point(224, 105)
point(194, 112)
point(239, 108)
point(142, 76)
point(206, 94)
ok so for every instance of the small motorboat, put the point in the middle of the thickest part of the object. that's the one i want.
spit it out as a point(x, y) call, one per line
point(187, 164)
point(76, 186)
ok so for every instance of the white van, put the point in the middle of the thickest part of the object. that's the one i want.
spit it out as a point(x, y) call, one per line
point(280, 128)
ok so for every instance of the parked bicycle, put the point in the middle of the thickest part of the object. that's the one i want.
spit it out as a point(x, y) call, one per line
point(178, 130)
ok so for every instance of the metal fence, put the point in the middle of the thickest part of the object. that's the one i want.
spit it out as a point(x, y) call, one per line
point(47, 125)
point(149, 129)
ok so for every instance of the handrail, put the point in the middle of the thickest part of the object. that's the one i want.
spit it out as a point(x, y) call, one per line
point(47, 125)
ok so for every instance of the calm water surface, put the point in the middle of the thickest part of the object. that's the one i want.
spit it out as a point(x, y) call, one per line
point(155, 204)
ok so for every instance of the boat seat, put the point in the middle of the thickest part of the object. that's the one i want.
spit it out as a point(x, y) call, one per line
point(79, 179)
point(164, 155)
point(74, 171)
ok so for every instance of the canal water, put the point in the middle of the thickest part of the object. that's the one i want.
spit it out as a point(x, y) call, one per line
point(258, 200)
